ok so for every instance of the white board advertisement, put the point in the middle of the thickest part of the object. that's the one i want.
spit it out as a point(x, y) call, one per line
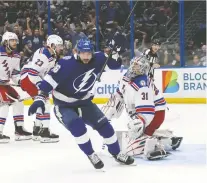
point(173, 82)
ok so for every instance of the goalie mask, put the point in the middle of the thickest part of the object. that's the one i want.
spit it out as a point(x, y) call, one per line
point(138, 66)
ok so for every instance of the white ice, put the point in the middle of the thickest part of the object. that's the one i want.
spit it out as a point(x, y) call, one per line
point(32, 162)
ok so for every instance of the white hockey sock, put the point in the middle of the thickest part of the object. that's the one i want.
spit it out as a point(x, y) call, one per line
point(43, 120)
point(1, 127)
point(19, 120)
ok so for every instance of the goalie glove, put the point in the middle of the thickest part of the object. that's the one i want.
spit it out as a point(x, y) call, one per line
point(114, 107)
point(136, 126)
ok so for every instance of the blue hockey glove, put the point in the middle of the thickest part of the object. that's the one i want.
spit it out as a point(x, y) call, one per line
point(39, 103)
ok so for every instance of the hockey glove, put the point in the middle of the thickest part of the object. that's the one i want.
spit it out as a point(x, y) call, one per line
point(39, 103)
point(136, 127)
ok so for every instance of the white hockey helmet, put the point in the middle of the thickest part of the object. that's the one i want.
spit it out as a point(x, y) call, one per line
point(56, 41)
point(7, 36)
point(138, 66)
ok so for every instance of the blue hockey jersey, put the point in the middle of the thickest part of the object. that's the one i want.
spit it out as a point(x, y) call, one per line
point(71, 80)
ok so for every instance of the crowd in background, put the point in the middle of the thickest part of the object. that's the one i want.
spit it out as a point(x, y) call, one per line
point(73, 20)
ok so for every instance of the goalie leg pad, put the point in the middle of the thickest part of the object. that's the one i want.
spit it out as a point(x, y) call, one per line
point(136, 147)
point(168, 139)
point(153, 150)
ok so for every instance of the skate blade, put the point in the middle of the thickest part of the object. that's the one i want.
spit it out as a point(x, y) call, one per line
point(5, 141)
point(22, 138)
point(35, 138)
point(48, 140)
point(133, 164)
point(101, 170)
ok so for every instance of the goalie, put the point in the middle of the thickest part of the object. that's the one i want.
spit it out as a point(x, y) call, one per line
point(145, 107)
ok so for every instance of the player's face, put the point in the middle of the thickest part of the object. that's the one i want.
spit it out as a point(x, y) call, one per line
point(13, 44)
point(59, 49)
point(155, 48)
point(85, 57)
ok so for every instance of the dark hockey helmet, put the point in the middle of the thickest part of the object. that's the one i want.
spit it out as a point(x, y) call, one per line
point(156, 42)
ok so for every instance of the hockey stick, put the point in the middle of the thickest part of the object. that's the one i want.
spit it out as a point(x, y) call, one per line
point(103, 68)
point(14, 100)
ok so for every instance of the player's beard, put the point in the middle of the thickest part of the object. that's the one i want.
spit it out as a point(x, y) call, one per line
point(86, 61)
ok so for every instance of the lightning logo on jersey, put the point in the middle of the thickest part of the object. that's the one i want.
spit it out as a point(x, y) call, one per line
point(84, 79)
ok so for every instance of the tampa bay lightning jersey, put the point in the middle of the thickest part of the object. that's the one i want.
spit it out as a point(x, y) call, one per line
point(71, 80)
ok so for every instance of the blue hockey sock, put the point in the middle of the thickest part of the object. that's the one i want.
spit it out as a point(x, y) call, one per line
point(79, 131)
point(107, 132)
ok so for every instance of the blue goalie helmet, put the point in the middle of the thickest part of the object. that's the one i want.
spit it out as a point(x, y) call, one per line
point(84, 45)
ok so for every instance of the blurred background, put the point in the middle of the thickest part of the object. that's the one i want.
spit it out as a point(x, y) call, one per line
point(179, 25)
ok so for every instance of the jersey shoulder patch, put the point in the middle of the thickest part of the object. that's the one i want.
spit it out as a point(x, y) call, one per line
point(45, 51)
point(141, 81)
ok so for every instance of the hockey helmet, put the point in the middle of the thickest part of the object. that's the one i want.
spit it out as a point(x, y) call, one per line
point(84, 45)
point(138, 66)
point(7, 36)
point(56, 41)
point(156, 42)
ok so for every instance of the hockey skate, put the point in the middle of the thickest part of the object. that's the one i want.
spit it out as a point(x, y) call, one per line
point(157, 155)
point(124, 159)
point(47, 137)
point(176, 141)
point(4, 139)
point(22, 134)
point(96, 161)
point(36, 131)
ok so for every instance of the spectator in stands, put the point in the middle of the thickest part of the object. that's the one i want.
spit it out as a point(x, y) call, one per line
point(111, 13)
point(196, 61)
point(166, 9)
point(28, 49)
point(36, 36)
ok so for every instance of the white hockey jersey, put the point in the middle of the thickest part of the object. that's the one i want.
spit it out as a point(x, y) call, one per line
point(9, 66)
point(38, 65)
point(141, 97)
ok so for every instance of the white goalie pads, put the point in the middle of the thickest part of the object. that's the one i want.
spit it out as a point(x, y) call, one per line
point(145, 146)
point(114, 107)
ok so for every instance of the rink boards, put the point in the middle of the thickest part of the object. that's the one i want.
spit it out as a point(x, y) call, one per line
point(178, 85)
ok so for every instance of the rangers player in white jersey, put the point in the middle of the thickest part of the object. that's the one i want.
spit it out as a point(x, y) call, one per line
point(32, 73)
point(10, 69)
point(146, 111)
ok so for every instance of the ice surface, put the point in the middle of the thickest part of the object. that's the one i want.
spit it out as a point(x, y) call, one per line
point(32, 162)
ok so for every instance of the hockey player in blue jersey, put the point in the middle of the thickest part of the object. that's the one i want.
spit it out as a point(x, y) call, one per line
point(72, 80)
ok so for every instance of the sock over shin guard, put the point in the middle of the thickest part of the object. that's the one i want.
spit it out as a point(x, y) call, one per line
point(18, 113)
point(4, 110)
point(110, 138)
point(78, 130)
point(155, 123)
